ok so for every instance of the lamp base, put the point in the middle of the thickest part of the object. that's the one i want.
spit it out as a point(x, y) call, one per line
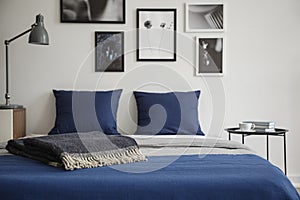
point(10, 106)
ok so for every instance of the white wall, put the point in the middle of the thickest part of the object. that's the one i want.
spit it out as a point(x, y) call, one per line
point(261, 59)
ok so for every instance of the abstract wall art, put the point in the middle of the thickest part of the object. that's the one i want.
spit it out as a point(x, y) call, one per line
point(156, 34)
point(109, 51)
point(209, 56)
point(204, 17)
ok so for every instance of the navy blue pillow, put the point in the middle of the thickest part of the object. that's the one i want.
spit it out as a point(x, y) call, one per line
point(84, 111)
point(168, 113)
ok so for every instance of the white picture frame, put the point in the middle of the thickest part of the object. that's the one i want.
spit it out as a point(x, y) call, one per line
point(209, 56)
point(204, 17)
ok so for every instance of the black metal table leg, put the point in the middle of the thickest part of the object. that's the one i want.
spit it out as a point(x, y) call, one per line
point(267, 147)
point(229, 136)
point(243, 138)
point(284, 150)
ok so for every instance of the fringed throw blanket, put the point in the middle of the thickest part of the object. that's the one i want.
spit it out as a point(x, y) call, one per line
point(78, 150)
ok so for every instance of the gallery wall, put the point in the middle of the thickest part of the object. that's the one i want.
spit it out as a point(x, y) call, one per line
point(261, 62)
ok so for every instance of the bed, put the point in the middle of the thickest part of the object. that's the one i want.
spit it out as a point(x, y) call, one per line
point(178, 167)
point(182, 162)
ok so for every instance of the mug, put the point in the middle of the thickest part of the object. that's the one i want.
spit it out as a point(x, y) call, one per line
point(246, 126)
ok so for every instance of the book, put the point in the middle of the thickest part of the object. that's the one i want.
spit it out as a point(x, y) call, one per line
point(262, 124)
point(265, 129)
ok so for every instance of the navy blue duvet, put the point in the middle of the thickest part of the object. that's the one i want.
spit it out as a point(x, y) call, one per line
point(188, 177)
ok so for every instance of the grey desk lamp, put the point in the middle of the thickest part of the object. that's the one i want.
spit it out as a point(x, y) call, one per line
point(38, 35)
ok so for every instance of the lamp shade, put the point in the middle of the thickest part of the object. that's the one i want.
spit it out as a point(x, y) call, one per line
point(38, 34)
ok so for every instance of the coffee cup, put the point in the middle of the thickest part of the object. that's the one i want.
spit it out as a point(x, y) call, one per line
point(246, 126)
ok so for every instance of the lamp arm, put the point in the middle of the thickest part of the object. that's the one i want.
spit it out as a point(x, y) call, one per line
point(6, 42)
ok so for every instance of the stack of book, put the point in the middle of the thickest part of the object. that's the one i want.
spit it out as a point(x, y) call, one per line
point(268, 126)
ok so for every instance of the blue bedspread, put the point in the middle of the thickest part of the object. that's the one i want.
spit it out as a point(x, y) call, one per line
point(189, 177)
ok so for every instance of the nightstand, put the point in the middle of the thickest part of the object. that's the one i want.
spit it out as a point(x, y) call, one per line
point(12, 124)
point(276, 132)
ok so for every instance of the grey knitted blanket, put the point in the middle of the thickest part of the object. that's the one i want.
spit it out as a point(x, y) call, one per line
point(78, 150)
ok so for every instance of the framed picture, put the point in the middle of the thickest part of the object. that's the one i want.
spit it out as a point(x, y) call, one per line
point(109, 51)
point(209, 56)
point(156, 34)
point(204, 17)
point(92, 11)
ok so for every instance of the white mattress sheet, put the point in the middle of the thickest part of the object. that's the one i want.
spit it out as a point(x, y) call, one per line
point(163, 145)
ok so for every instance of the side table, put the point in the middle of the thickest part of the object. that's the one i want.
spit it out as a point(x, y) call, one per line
point(278, 132)
point(12, 124)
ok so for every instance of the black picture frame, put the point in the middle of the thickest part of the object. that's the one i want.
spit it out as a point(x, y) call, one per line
point(89, 10)
point(167, 29)
point(109, 51)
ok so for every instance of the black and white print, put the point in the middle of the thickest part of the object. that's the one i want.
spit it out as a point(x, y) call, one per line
point(109, 53)
point(93, 11)
point(204, 17)
point(156, 34)
point(209, 55)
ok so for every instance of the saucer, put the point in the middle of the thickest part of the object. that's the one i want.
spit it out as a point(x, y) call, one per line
point(245, 130)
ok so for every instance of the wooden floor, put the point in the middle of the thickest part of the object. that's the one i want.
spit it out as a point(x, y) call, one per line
point(298, 189)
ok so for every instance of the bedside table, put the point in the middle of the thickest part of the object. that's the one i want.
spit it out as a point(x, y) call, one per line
point(12, 124)
point(278, 132)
